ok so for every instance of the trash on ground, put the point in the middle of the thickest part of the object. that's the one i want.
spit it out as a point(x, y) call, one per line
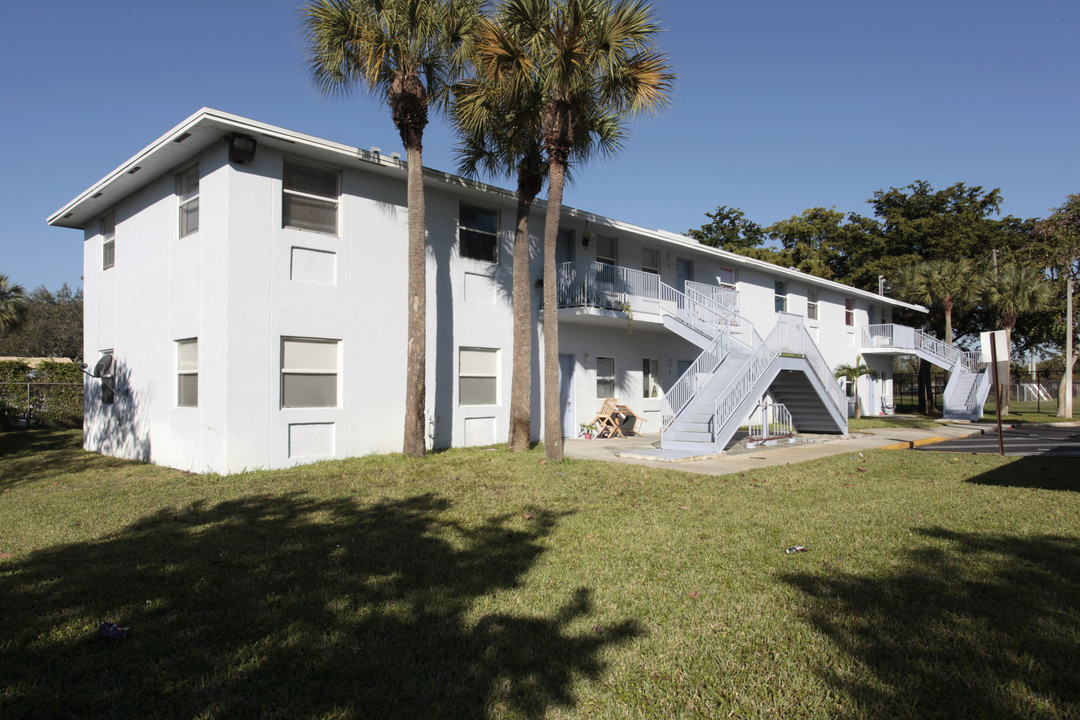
point(795, 549)
point(112, 630)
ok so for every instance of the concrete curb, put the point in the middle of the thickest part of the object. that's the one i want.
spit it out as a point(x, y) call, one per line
point(933, 440)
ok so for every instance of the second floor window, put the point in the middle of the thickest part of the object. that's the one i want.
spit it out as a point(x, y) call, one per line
point(780, 300)
point(187, 192)
point(811, 304)
point(478, 234)
point(108, 241)
point(650, 260)
point(309, 198)
point(849, 311)
point(607, 250)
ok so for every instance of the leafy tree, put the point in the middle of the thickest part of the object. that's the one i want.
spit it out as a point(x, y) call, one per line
point(405, 52)
point(497, 114)
point(852, 373)
point(590, 58)
point(940, 284)
point(51, 327)
point(729, 229)
point(1058, 246)
point(820, 240)
point(12, 304)
point(1012, 290)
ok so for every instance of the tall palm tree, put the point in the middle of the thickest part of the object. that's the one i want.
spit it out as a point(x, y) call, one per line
point(589, 58)
point(13, 304)
point(949, 283)
point(1011, 291)
point(852, 373)
point(405, 52)
point(497, 116)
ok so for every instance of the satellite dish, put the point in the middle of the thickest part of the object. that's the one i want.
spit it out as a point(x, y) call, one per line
point(104, 366)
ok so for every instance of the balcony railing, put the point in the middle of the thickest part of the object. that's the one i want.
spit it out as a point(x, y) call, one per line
point(902, 337)
point(611, 287)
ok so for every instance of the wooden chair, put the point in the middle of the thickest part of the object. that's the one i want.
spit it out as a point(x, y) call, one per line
point(607, 420)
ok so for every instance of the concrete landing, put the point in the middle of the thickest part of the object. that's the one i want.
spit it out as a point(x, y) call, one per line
point(645, 450)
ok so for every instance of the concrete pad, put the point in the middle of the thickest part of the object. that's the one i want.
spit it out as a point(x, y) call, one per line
point(645, 450)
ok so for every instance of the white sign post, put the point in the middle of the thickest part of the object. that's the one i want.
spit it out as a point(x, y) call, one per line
point(994, 346)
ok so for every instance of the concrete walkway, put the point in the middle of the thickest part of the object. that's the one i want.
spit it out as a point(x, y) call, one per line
point(644, 450)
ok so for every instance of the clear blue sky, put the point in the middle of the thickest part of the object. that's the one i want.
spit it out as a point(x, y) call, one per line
point(779, 106)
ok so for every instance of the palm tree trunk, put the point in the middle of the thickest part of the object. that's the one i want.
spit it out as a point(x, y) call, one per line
point(416, 360)
point(521, 375)
point(553, 433)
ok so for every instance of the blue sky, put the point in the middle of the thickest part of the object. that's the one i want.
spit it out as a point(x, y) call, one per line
point(779, 106)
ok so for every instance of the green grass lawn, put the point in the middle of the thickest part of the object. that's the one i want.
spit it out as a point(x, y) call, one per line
point(479, 584)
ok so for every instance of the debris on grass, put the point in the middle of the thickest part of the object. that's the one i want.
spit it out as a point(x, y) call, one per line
point(112, 631)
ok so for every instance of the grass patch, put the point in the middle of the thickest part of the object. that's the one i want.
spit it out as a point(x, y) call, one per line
point(479, 584)
point(891, 421)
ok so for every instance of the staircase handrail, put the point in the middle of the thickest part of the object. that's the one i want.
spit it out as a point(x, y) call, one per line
point(820, 367)
point(687, 386)
point(728, 297)
point(694, 315)
point(770, 416)
point(752, 369)
point(741, 328)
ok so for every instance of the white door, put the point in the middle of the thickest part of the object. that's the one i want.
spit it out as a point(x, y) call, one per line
point(566, 395)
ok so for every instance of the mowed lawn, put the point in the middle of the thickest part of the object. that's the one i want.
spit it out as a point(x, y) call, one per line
point(479, 584)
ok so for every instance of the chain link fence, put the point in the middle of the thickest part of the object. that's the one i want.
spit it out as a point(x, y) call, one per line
point(40, 404)
point(1035, 394)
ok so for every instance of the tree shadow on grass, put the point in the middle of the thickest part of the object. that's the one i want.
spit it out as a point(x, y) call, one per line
point(292, 607)
point(1035, 472)
point(37, 455)
point(968, 625)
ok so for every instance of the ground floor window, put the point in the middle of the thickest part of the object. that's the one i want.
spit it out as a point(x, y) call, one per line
point(187, 372)
point(309, 372)
point(605, 377)
point(478, 376)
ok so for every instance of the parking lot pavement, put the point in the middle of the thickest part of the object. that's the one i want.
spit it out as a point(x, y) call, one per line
point(1046, 440)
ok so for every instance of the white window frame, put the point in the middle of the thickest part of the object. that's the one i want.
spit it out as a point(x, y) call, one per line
point(187, 206)
point(811, 303)
point(650, 377)
point(493, 236)
point(492, 375)
point(185, 371)
point(648, 267)
point(725, 275)
point(108, 241)
point(611, 258)
point(298, 371)
point(780, 296)
point(334, 200)
point(605, 378)
point(849, 312)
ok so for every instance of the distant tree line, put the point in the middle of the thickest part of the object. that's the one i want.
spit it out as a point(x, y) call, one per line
point(41, 323)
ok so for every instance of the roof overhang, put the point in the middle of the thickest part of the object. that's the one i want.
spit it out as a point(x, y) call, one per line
point(208, 127)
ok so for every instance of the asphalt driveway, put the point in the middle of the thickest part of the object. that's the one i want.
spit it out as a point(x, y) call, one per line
point(1052, 441)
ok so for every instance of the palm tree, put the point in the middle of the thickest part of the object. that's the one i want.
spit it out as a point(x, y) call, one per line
point(852, 373)
point(405, 52)
point(589, 58)
point(1011, 291)
point(948, 282)
point(497, 116)
point(13, 304)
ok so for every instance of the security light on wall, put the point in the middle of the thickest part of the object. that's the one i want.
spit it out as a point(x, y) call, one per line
point(241, 148)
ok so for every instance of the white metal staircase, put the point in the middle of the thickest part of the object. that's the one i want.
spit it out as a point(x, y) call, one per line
point(965, 394)
point(736, 368)
point(703, 409)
